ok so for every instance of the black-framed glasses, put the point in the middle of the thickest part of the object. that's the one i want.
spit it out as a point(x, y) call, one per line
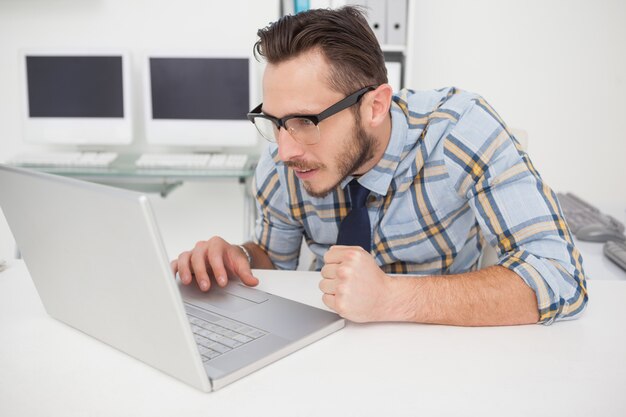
point(303, 128)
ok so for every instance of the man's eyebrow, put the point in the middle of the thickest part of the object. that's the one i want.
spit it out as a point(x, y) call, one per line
point(302, 112)
point(267, 114)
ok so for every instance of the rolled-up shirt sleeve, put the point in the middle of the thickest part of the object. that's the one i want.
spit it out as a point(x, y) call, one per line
point(276, 231)
point(517, 212)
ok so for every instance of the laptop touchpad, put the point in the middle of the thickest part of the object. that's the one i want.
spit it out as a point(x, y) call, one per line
point(216, 297)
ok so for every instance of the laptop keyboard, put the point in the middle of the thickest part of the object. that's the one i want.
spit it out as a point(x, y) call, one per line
point(217, 338)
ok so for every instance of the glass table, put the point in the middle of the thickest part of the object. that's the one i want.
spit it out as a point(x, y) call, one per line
point(123, 173)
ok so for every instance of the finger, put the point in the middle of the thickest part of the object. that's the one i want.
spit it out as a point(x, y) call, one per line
point(198, 263)
point(219, 271)
point(329, 271)
point(329, 300)
point(243, 271)
point(328, 286)
point(337, 254)
point(184, 272)
point(237, 262)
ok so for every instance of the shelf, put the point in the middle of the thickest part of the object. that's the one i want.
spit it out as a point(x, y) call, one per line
point(394, 48)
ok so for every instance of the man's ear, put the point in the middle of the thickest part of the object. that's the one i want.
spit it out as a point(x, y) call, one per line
point(378, 103)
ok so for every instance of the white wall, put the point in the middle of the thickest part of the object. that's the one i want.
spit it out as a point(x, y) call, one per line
point(556, 68)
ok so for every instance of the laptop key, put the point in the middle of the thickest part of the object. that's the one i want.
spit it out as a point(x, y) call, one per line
point(229, 324)
point(255, 334)
point(242, 338)
point(218, 347)
point(195, 320)
point(226, 341)
point(229, 333)
point(212, 354)
point(204, 333)
point(220, 337)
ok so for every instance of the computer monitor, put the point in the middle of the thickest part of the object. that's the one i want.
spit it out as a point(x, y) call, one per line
point(199, 101)
point(76, 98)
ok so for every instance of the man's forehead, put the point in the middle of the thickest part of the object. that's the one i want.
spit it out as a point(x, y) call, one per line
point(297, 86)
point(281, 104)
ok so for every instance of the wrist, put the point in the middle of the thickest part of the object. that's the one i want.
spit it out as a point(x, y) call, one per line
point(403, 300)
point(247, 253)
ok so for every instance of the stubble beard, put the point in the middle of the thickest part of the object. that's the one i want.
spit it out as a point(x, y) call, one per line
point(359, 151)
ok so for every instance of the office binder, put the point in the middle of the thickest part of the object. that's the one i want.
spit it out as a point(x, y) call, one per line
point(378, 19)
point(396, 22)
point(376, 16)
point(287, 7)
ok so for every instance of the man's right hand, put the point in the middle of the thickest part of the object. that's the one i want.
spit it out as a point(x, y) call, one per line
point(213, 259)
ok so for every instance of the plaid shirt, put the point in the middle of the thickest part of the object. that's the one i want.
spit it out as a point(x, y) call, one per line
point(452, 178)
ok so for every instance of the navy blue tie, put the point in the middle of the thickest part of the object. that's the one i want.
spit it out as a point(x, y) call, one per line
point(354, 229)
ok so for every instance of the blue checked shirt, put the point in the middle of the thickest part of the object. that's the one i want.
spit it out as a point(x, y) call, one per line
point(453, 178)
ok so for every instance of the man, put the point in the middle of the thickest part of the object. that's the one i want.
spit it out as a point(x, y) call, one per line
point(412, 183)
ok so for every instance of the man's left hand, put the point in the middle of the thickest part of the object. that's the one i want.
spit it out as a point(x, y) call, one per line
point(354, 286)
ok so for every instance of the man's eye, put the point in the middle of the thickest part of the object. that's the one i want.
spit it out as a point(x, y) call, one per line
point(303, 123)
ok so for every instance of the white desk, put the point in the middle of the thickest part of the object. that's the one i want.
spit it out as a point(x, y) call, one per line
point(575, 368)
point(597, 266)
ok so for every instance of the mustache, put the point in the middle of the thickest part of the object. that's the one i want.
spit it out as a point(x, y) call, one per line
point(302, 165)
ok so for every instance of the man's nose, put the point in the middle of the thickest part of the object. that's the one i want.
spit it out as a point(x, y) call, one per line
point(288, 147)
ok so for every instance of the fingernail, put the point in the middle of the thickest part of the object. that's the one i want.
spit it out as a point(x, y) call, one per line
point(204, 285)
point(222, 281)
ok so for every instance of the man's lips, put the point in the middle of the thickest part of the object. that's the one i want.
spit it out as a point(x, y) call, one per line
point(302, 168)
point(305, 173)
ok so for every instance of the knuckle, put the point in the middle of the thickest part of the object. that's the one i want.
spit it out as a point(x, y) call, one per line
point(354, 254)
point(195, 256)
point(215, 240)
point(344, 271)
point(341, 289)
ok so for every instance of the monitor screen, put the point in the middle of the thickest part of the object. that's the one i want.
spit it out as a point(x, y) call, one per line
point(75, 86)
point(199, 101)
point(77, 98)
point(201, 89)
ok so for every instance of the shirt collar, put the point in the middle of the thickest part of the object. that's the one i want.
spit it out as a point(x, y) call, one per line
point(380, 176)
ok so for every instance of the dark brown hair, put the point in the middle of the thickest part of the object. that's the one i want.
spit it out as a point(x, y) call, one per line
point(342, 35)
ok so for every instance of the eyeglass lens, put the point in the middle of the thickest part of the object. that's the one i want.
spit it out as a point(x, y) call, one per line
point(301, 129)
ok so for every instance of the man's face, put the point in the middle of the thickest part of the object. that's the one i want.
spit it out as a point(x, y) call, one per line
point(299, 87)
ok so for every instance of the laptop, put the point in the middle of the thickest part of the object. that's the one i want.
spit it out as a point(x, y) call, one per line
point(99, 265)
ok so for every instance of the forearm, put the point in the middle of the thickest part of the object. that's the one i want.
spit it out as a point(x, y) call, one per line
point(260, 258)
point(489, 297)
